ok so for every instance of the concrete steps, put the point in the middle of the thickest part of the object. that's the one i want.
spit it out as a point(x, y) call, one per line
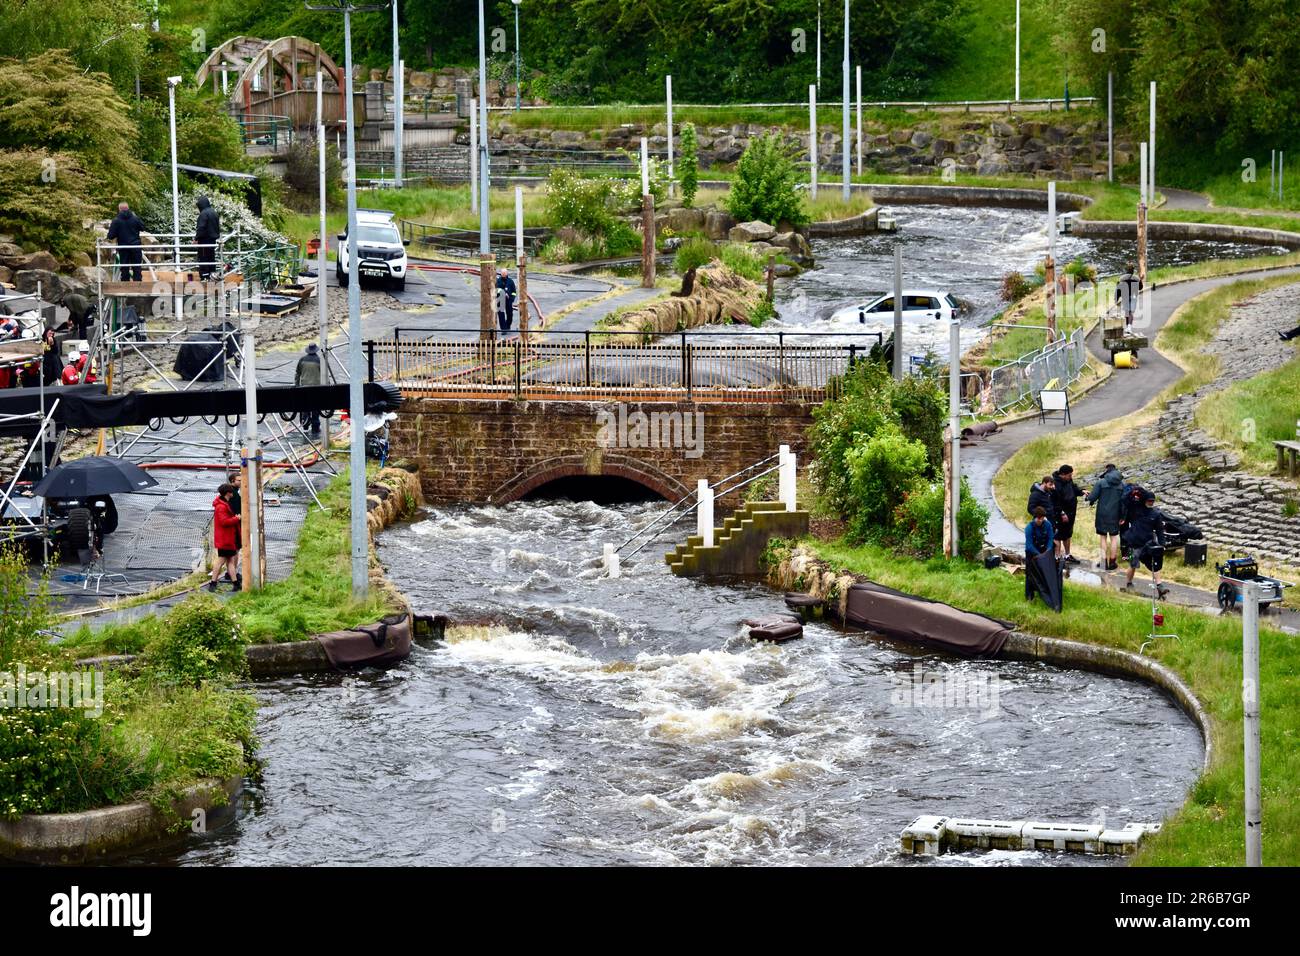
point(738, 542)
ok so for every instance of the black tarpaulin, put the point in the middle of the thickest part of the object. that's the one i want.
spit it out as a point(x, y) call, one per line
point(15, 402)
point(1045, 575)
point(906, 617)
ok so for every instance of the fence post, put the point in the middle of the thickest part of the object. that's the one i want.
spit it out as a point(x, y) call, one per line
point(586, 350)
point(684, 369)
point(704, 512)
point(689, 359)
point(518, 371)
point(786, 477)
point(370, 358)
point(397, 356)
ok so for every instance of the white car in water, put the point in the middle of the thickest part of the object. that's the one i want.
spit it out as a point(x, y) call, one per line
point(381, 253)
point(918, 305)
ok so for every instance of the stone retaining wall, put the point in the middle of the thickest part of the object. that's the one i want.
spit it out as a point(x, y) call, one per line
point(1210, 232)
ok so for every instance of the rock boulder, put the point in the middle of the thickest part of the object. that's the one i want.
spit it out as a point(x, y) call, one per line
point(753, 231)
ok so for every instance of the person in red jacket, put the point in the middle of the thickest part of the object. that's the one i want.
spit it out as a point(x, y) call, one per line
point(225, 537)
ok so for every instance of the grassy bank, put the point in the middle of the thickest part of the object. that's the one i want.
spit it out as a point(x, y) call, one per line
point(1207, 831)
point(1087, 449)
point(1269, 402)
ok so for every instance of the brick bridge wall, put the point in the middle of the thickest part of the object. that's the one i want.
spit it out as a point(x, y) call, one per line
point(494, 452)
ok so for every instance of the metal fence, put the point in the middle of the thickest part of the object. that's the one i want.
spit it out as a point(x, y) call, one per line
point(1059, 364)
point(604, 366)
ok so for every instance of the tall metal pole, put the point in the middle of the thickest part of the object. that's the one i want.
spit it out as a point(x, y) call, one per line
point(518, 93)
point(954, 422)
point(812, 140)
point(253, 463)
point(473, 154)
point(176, 197)
point(321, 285)
point(1250, 719)
point(669, 81)
point(484, 244)
point(1049, 270)
point(398, 93)
point(859, 72)
point(356, 404)
point(844, 134)
point(1110, 127)
point(1272, 172)
point(1017, 51)
point(898, 312)
point(819, 44)
point(1151, 149)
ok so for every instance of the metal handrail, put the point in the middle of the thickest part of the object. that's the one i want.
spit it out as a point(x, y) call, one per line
point(682, 501)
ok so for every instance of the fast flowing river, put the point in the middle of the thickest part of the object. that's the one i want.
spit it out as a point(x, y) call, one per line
point(586, 720)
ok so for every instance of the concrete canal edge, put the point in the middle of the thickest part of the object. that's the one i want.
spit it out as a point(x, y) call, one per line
point(803, 571)
point(1207, 231)
point(92, 835)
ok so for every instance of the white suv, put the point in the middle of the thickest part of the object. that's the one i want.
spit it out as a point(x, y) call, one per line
point(381, 252)
point(918, 304)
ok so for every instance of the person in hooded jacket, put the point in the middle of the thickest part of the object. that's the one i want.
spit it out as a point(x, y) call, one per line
point(125, 231)
point(1065, 499)
point(1107, 496)
point(1040, 496)
point(206, 233)
point(225, 537)
point(1145, 536)
point(51, 361)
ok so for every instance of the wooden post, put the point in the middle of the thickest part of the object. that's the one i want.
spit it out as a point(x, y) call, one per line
point(1049, 280)
point(648, 241)
point(523, 298)
point(1142, 243)
point(487, 287)
point(771, 277)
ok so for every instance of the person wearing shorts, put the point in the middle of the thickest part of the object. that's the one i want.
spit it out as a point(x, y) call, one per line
point(1145, 536)
point(1107, 495)
point(225, 537)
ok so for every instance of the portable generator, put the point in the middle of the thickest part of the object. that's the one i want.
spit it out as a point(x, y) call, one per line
point(1236, 572)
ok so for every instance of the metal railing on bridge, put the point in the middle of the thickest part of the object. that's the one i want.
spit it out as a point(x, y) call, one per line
point(266, 130)
point(464, 243)
point(604, 366)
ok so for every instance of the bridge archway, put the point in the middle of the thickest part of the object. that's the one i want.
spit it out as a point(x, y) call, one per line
point(578, 466)
point(271, 76)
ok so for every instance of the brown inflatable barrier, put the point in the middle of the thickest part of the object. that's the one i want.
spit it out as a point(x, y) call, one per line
point(369, 645)
point(906, 617)
point(776, 631)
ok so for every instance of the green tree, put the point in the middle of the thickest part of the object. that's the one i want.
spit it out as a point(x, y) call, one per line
point(765, 184)
point(104, 36)
point(883, 469)
point(43, 199)
point(689, 164)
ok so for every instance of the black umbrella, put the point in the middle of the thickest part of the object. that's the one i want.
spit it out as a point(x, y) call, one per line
point(94, 475)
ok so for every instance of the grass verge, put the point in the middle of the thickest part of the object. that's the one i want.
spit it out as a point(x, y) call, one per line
point(1207, 830)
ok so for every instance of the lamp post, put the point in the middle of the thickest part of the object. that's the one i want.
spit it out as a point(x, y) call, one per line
point(517, 93)
point(1017, 51)
point(172, 83)
point(399, 91)
point(486, 263)
point(844, 133)
point(356, 367)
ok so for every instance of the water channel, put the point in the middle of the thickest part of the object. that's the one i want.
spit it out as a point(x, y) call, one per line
point(575, 719)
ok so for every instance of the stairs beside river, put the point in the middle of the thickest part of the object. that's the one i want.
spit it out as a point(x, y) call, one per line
point(739, 543)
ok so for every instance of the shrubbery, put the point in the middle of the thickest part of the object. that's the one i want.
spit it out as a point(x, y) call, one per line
point(688, 167)
point(593, 206)
point(694, 253)
point(201, 640)
point(1014, 286)
point(764, 187)
point(743, 261)
point(878, 448)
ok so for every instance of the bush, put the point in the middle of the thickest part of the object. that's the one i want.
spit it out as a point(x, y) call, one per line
point(761, 313)
point(689, 165)
point(1014, 286)
point(692, 254)
point(202, 640)
point(302, 175)
point(1081, 271)
point(743, 261)
point(764, 187)
point(883, 468)
point(918, 521)
point(592, 205)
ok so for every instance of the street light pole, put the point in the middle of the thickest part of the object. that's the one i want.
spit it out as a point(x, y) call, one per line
point(398, 94)
point(844, 134)
point(517, 92)
point(485, 178)
point(1017, 51)
point(356, 367)
point(172, 83)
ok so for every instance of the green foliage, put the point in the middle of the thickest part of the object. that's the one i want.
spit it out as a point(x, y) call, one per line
point(761, 313)
point(1015, 286)
point(764, 187)
point(883, 468)
point(206, 134)
point(694, 253)
point(201, 640)
point(102, 36)
point(688, 166)
point(918, 521)
point(1081, 271)
point(919, 406)
point(592, 205)
point(302, 175)
point(742, 260)
point(22, 615)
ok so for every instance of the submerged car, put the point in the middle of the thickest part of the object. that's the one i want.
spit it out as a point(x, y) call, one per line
point(918, 305)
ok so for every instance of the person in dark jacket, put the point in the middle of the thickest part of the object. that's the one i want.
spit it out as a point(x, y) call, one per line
point(1065, 499)
point(506, 294)
point(1127, 291)
point(51, 361)
point(1145, 536)
point(1038, 540)
point(225, 537)
point(1040, 496)
point(308, 373)
point(1107, 496)
point(206, 233)
point(125, 231)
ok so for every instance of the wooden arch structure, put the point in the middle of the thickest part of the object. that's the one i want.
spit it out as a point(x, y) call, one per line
point(277, 77)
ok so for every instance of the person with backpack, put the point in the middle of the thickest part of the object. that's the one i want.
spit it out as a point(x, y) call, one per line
point(1038, 540)
point(1145, 538)
point(1107, 496)
point(1065, 502)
